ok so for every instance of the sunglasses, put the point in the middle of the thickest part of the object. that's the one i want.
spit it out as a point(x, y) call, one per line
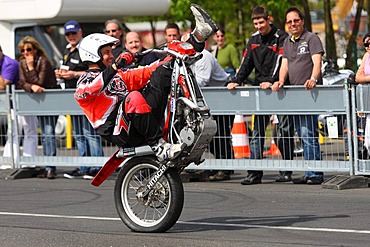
point(71, 33)
point(111, 31)
point(28, 50)
point(367, 44)
point(295, 21)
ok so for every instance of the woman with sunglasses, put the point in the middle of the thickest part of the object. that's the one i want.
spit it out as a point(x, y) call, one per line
point(363, 76)
point(35, 74)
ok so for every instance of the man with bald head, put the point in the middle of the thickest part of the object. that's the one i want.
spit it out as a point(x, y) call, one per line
point(134, 44)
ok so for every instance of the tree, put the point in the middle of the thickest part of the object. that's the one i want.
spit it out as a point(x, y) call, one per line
point(307, 15)
point(352, 39)
point(331, 51)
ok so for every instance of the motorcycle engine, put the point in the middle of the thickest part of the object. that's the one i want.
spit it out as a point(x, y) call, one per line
point(187, 136)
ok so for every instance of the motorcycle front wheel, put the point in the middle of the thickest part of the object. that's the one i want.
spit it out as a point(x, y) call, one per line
point(160, 209)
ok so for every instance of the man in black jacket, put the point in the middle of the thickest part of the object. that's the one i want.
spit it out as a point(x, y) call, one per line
point(263, 54)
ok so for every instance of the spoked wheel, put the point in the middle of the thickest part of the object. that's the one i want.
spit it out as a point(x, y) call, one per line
point(160, 209)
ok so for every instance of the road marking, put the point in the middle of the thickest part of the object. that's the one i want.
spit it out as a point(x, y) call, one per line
point(277, 227)
point(59, 216)
point(196, 223)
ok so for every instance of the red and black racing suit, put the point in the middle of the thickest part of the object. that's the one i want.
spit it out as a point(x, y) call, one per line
point(117, 110)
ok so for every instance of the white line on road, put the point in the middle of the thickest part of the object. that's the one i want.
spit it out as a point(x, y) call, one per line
point(59, 216)
point(196, 223)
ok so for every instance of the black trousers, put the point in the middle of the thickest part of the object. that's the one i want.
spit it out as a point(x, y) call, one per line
point(146, 127)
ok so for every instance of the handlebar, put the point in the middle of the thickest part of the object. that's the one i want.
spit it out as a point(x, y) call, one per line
point(165, 51)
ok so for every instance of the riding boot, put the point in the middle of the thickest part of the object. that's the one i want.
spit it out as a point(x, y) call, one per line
point(204, 25)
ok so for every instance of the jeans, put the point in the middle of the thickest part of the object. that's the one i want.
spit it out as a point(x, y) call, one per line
point(230, 71)
point(306, 126)
point(49, 147)
point(257, 141)
point(87, 141)
point(221, 145)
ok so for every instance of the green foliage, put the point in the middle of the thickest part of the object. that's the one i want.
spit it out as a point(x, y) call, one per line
point(233, 15)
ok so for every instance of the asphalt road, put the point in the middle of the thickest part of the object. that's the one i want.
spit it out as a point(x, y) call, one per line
point(61, 212)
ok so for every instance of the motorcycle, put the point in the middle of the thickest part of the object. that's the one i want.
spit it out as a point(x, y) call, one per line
point(149, 194)
point(333, 76)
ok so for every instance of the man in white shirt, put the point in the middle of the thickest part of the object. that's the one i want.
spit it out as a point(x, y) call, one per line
point(209, 73)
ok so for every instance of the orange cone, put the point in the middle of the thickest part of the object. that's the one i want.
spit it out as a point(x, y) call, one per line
point(240, 138)
point(274, 150)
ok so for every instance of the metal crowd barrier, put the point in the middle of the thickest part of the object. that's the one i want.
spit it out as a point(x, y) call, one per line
point(5, 121)
point(291, 100)
point(360, 96)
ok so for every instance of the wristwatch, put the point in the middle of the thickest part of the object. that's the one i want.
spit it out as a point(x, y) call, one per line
point(76, 75)
point(314, 79)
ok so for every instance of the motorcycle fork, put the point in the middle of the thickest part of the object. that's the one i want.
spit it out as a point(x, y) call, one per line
point(155, 178)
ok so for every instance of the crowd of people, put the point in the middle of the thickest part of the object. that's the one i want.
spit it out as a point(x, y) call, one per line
point(96, 61)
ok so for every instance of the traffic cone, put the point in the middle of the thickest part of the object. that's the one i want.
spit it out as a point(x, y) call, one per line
point(240, 138)
point(274, 150)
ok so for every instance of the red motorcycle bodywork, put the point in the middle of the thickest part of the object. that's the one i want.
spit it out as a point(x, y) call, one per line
point(182, 47)
point(109, 167)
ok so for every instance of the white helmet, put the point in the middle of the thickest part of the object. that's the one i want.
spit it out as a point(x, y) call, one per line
point(91, 44)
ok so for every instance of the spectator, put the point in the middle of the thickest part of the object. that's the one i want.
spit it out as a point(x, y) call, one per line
point(133, 44)
point(9, 74)
point(172, 32)
point(105, 90)
point(227, 55)
point(265, 61)
point(9, 71)
point(87, 141)
point(114, 29)
point(36, 73)
point(363, 76)
point(301, 63)
point(208, 73)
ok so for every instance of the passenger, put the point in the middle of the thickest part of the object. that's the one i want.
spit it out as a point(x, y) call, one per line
point(301, 63)
point(110, 98)
point(36, 74)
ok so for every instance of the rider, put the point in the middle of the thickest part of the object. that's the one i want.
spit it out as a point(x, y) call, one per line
point(110, 97)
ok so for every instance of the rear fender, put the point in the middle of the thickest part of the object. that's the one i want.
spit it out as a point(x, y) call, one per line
point(114, 162)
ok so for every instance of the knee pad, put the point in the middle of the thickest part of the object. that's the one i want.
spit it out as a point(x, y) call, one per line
point(136, 103)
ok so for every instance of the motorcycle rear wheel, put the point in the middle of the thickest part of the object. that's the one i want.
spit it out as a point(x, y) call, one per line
point(158, 211)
